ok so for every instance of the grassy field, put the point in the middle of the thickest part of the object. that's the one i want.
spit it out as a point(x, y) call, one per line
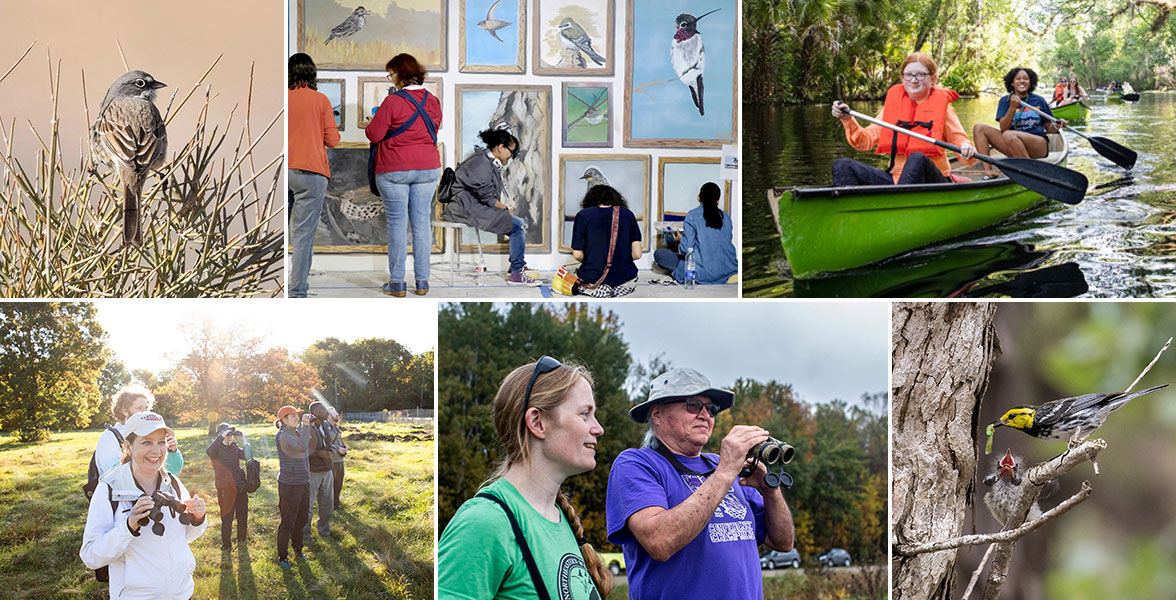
point(385, 530)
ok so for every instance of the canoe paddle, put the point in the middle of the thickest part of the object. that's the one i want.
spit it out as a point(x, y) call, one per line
point(1052, 181)
point(1113, 151)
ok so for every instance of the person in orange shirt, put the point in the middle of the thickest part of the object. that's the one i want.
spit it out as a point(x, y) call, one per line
point(915, 104)
point(311, 129)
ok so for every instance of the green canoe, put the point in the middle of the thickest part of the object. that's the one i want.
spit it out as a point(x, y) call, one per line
point(1074, 113)
point(828, 229)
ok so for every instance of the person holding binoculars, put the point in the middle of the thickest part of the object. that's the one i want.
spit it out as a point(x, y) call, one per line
point(675, 510)
point(145, 561)
point(226, 452)
point(293, 441)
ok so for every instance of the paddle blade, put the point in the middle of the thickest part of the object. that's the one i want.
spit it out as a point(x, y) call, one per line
point(1117, 153)
point(1052, 181)
point(1129, 97)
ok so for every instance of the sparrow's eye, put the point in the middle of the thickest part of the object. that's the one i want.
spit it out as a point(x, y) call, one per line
point(140, 83)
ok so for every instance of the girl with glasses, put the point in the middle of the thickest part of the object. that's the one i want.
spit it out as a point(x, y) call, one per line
point(519, 537)
point(914, 103)
point(477, 198)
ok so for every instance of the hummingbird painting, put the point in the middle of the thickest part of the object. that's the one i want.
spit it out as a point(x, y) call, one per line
point(688, 56)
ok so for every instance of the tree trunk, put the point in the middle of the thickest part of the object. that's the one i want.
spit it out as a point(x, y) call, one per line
point(941, 354)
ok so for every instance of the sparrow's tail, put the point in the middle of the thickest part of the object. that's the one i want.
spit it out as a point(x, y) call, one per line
point(132, 187)
point(329, 38)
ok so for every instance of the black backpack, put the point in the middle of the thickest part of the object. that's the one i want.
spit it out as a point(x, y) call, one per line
point(92, 474)
point(252, 475)
point(420, 112)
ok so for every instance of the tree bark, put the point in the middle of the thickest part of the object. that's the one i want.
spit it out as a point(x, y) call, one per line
point(941, 357)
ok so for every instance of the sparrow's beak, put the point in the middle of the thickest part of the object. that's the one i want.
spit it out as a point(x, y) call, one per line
point(157, 85)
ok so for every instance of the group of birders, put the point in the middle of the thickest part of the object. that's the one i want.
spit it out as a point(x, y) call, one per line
point(142, 517)
point(918, 104)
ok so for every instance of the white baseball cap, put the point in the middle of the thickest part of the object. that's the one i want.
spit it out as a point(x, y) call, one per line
point(145, 423)
point(677, 384)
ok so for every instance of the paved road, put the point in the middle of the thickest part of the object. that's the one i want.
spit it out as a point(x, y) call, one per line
point(620, 579)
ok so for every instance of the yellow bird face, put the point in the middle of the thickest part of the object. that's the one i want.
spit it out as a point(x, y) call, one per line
point(1017, 418)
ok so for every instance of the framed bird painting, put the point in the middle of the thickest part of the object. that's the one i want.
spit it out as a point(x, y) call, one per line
point(587, 115)
point(338, 34)
point(353, 220)
point(573, 37)
point(679, 178)
point(491, 36)
point(680, 73)
point(335, 91)
point(626, 173)
point(526, 111)
point(373, 90)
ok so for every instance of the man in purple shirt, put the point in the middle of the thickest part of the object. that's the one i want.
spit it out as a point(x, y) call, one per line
point(688, 528)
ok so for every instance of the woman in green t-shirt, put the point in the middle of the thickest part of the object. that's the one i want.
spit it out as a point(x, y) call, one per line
point(545, 415)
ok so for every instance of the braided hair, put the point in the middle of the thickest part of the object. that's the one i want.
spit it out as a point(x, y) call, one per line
point(596, 569)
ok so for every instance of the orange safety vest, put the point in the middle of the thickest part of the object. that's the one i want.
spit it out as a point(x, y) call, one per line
point(1059, 93)
point(929, 115)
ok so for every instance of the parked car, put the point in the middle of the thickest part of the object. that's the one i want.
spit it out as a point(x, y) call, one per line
point(773, 559)
point(833, 558)
point(615, 561)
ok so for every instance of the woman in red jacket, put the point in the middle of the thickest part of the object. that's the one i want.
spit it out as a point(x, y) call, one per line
point(407, 169)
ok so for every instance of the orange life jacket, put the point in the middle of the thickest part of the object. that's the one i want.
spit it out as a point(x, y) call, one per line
point(928, 117)
point(1059, 93)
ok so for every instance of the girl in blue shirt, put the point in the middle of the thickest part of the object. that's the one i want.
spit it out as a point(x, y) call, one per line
point(1022, 131)
point(709, 231)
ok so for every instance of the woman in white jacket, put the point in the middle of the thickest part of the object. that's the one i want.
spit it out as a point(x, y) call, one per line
point(142, 562)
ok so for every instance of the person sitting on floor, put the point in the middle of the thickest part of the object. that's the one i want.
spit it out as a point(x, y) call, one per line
point(606, 240)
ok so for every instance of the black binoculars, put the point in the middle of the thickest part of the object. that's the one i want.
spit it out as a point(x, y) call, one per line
point(772, 452)
point(165, 500)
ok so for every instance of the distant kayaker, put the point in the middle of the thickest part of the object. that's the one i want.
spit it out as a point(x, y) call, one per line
point(1022, 131)
point(1070, 94)
point(915, 104)
point(1059, 95)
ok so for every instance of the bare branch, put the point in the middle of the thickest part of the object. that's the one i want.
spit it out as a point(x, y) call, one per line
point(1008, 535)
point(15, 64)
point(1149, 366)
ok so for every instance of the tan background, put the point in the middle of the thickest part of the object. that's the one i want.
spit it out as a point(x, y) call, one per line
point(173, 41)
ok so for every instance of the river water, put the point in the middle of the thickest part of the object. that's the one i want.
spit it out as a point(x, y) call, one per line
point(1118, 242)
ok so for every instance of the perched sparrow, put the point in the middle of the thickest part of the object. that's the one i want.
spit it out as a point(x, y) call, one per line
point(573, 37)
point(1069, 418)
point(350, 26)
point(1006, 486)
point(129, 136)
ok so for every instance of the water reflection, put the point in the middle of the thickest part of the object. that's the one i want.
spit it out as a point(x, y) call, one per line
point(1121, 240)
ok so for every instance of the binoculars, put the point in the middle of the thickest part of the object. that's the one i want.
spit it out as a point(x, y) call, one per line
point(165, 500)
point(772, 452)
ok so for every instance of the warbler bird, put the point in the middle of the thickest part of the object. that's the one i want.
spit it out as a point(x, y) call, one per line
point(1006, 488)
point(1069, 418)
point(573, 37)
point(350, 26)
point(688, 56)
point(492, 25)
point(594, 177)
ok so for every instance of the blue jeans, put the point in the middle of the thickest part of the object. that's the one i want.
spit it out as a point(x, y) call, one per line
point(308, 190)
point(408, 198)
point(518, 244)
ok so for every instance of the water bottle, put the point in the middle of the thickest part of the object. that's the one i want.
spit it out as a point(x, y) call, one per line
point(691, 270)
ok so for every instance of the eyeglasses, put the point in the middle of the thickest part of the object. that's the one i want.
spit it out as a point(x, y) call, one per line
point(915, 76)
point(514, 153)
point(695, 406)
point(546, 364)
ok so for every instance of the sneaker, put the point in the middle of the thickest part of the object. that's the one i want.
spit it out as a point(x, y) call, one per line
point(284, 563)
point(300, 557)
point(521, 278)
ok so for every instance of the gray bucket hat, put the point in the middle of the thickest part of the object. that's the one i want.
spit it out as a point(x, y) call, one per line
point(677, 384)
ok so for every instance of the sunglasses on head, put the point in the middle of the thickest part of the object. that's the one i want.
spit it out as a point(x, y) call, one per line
point(546, 364)
point(695, 406)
